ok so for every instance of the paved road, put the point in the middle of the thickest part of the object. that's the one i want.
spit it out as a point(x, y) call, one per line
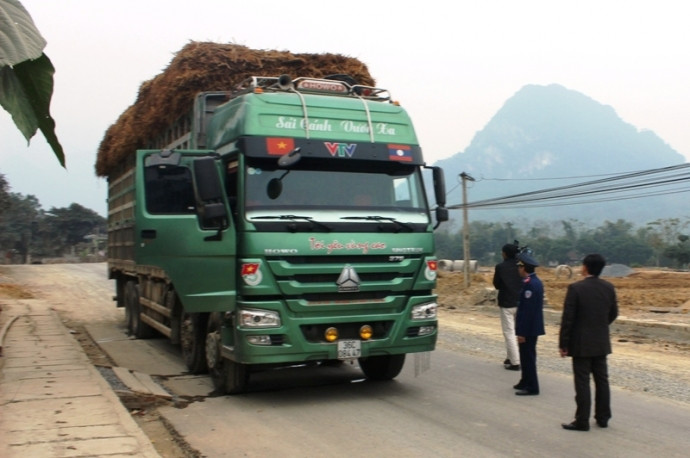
point(462, 406)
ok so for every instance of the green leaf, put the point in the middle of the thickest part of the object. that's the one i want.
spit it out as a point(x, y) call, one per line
point(25, 92)
point(13, 99)
point(20, 40)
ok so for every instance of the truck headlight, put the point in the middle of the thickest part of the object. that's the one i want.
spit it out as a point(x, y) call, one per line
point(424, 311)
point(252, 318)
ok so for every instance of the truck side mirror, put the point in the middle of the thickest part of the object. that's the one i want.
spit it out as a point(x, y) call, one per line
point(439, 186)
point(441, 215)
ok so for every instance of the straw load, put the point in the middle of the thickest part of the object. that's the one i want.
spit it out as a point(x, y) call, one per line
point(204, 66)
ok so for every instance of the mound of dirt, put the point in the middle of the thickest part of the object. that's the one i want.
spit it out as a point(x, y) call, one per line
point(204, 66)
point(642, 293)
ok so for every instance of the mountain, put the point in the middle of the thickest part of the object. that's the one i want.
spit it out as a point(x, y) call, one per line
point(547, 132)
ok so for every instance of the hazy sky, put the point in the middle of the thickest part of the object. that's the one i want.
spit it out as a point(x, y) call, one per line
point(451, 68)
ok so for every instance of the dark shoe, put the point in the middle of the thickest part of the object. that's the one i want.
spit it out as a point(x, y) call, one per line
point(506, 362)
point(526, 393)
point(574, 426)
point(603, 423)
point(518, 387)
point(512, 367)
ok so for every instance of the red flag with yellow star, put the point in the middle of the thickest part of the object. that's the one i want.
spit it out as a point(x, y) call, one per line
point(279, 146)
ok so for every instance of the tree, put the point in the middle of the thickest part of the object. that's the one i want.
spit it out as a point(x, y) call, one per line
point(26, 75)
point(68, 227)
point(662, 234)
point(27, 231)
point(680, 251)
point(19, 225)
point(4, 194)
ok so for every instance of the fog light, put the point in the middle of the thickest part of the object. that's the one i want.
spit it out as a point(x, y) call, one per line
point(331, 334)
point(259, 340)
point(426, 330)
point(365, 332)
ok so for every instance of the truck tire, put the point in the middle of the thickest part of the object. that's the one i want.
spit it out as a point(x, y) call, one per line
point(228, 376)
point(383, 367)
point(138, 328)
point(193, 341)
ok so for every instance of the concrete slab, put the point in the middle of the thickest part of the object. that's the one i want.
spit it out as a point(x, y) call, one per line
point(54, 402)
point(140, 383)
point(44, 414)
point(49, 388)
point(77, 448)
point(133, 383)
point(37, 364)
point(73, 433)
point(190, 385)
point(138, 355)
point(151, 385)
point(105, 332)
point(31, 351)
point(22, 373)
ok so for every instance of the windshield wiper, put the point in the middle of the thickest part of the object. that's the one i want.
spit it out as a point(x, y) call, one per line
point(380, 218)
point(295, 218)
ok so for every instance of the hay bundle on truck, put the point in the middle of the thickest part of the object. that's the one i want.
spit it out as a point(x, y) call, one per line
point(268, 208)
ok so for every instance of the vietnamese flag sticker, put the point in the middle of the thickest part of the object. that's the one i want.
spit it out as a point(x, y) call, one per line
point(279, 146)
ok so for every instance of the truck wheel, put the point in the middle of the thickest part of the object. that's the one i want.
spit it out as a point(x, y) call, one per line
point(193, 341)
point(228, 376)
point(383, 367)
point(139, 329)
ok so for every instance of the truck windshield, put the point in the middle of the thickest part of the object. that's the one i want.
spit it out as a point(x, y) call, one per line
point(321, 192)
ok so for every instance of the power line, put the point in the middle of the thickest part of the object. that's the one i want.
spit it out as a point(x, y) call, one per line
point(606, 190)
point(615, 184)
point(552, 178)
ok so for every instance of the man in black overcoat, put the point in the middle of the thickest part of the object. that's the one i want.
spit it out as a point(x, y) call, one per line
point(590, 307)
point(508, 283)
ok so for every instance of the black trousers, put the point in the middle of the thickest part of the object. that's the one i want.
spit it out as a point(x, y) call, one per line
point(528, 364)
point(582, 368)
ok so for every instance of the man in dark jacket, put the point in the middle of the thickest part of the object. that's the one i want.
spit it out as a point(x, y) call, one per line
point(508, 283)
point(590, 307)
point(529, 323)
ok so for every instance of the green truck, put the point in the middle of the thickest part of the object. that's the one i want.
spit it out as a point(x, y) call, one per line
point(284, 222)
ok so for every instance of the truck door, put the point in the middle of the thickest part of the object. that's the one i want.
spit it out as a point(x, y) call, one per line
point(184, 227)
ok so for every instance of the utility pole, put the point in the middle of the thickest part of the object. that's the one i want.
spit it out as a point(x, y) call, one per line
point(465, 229)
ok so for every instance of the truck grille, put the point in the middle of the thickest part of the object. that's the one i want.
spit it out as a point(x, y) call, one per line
point(314, 279)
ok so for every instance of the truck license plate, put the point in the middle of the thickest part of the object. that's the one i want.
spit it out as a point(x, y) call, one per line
point(349, 349)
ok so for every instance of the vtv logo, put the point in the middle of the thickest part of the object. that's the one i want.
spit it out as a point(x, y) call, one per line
point(340, 149)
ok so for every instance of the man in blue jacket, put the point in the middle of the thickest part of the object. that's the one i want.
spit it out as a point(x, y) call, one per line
point(590, 307)
point(529, 323)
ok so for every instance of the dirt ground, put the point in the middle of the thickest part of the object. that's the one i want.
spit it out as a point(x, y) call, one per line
point(646, 293)
point(646, 296)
